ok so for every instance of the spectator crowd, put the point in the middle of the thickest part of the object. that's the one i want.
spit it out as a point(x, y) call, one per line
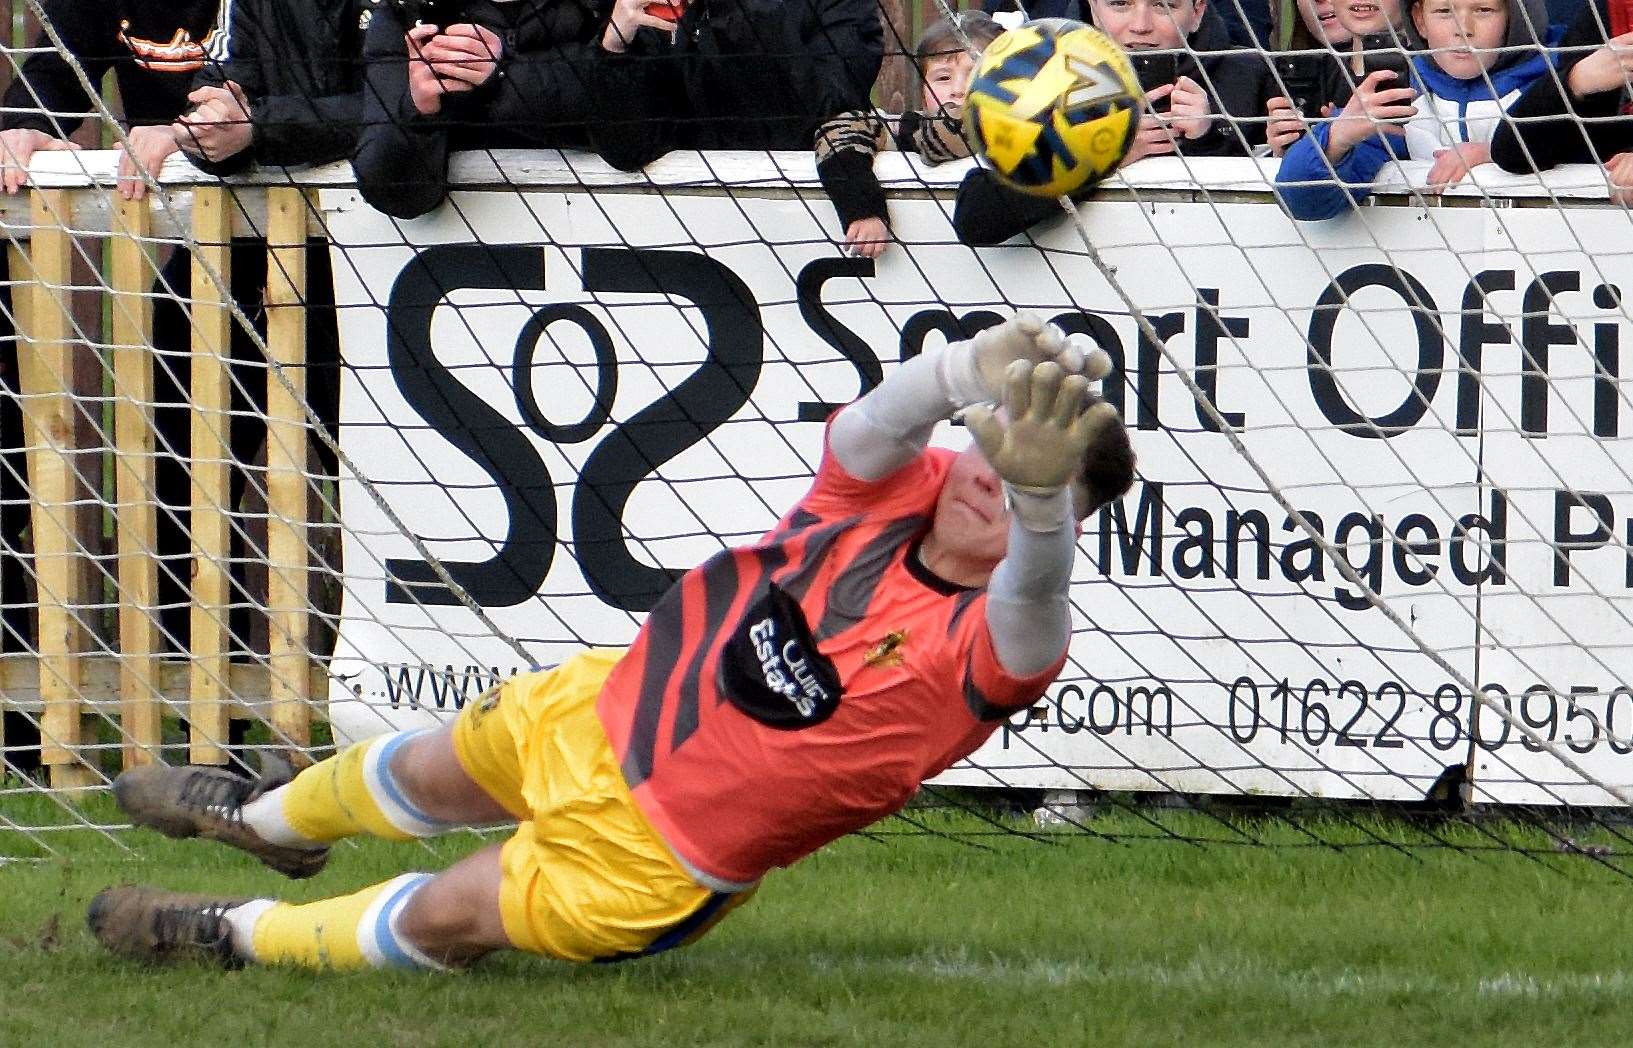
point(1337, 88)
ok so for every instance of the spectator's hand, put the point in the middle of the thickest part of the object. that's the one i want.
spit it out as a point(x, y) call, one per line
point(1619, 170)
point(1608, 68)
point(463, 56)
point(1373, 108)
point(17, 147)
point(867, 237)
point(1189, 111)
point(627, 17)
point(424, 88)
point(1152, 137)
point(1453, 165)
point(1051, 423)
point(218, 126)
point(151, 145)
point(1284, 127)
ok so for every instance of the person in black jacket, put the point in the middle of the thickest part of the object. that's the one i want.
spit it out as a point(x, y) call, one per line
point(153, 49)
point(284, 87)
point(749, 74)
point(1580, 113)
point(514, 74)
point(288, 88)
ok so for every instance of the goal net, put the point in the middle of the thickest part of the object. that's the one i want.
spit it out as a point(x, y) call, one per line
point(1377, 554)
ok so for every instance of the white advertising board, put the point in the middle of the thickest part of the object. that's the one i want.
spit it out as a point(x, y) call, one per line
point(569, 398)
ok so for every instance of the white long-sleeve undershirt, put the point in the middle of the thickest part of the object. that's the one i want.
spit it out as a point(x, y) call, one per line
point(1028, 614)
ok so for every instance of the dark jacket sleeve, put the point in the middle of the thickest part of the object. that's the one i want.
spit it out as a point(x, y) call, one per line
point(1544, 126)
point(293, 129)
point(401, 161)
point(987, 212)
point(848, 179)
point(243, 67)
point(1240, 86)
point(847, 50)
point(289, 127)
point(846, 147)
point(547, 75)
point(631, 124)
point(545, 88)
point(46, 81)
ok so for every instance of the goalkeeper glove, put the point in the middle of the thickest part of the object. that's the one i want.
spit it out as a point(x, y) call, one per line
point(1039, 448)
point(972, 371)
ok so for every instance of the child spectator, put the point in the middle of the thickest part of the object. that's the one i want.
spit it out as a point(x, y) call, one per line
point(1380, 34)
point(1588, 121)
point(1366, 36)
point(1483, 54)
point(846, 145)
point(1214, 97)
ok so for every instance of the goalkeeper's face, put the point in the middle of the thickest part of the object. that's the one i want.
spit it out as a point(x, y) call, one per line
point(971, 516)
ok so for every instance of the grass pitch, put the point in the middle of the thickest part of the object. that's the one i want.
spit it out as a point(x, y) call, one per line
point(911, 940)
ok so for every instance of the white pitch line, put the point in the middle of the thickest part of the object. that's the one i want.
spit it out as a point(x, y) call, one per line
point(1233, 974)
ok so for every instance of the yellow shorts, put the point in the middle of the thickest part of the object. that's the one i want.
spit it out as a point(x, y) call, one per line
point(586, 878)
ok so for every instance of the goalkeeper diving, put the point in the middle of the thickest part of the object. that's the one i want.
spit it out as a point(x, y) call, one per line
point(781, 695)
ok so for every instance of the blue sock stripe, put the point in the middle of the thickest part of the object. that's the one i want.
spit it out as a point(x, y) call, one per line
point(677, 934)
point(384, 937)
point(388, 782)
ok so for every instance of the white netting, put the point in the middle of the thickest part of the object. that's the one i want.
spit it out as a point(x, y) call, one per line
point(1378, 550)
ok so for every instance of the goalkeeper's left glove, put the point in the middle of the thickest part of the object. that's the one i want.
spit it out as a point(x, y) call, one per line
point(972, 371)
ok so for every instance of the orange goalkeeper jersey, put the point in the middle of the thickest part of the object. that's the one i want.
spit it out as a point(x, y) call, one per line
point(785, 693)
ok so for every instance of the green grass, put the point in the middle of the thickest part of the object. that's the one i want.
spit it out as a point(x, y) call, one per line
point(912, 940)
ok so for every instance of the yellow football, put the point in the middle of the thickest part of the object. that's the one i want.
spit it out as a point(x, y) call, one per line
point(1052, 106)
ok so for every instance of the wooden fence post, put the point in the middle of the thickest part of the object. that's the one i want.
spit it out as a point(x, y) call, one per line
point(208, 710)
point(287, 489)
point(46, 379)
point(135, 514)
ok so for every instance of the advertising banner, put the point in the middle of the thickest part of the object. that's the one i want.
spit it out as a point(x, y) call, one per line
point(569, 398)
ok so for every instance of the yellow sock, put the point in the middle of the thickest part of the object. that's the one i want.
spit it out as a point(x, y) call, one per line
point(341, 934)
point(353, 793)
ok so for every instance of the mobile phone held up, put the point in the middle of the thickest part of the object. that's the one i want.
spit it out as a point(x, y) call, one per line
point(1155, 68)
